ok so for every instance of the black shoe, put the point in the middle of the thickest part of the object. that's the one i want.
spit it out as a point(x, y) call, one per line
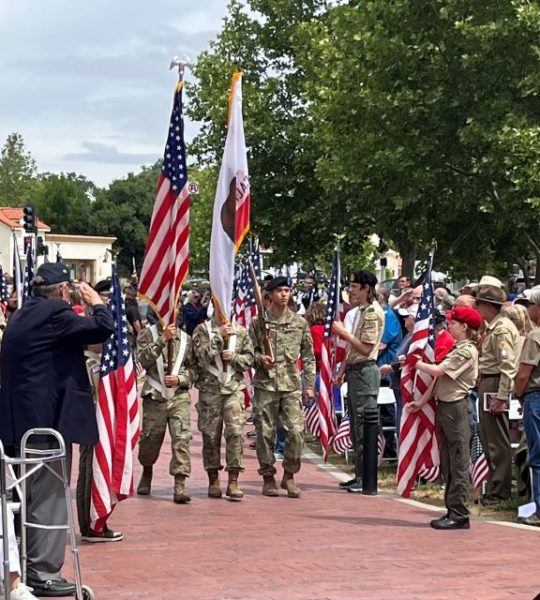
point(345, 484)
point(491, 500)
point(449, 523)
point(52, 588)
point(356, 487)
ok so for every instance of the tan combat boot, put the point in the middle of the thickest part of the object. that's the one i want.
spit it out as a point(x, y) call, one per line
point(180, 494)
point(145, 483)
point(234, 493)
point(214, 489)
point(287, 483)
point(269, 486)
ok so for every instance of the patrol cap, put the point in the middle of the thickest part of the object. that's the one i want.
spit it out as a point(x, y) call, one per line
point(491, 294)
point(103, 286)
point(51, 273)
point(363, 278)
point(466, 314)
point(280, 281)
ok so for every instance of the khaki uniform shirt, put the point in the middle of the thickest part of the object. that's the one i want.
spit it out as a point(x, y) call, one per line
point(530, 355)
point(368, 329)
point(499, 353)
point(291, 339)
point(460, 371)
point(148, 352)
point(206, 351)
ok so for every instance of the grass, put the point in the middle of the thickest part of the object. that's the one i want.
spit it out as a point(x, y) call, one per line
point(428, 493)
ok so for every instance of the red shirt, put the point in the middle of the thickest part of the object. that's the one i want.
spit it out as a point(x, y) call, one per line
point(317, 333)
point(444, 342)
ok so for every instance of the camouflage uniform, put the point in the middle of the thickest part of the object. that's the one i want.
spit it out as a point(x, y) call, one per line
point(159, 411)
point(221, 403)
point(278, 392)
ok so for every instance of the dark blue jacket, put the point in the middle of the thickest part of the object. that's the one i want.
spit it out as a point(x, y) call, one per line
point(193, 316)
point(44, 379)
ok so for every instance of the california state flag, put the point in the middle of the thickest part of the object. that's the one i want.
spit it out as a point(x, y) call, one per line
point(230, 222)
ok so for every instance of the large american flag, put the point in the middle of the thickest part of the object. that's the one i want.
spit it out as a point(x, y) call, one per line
point(328, 422)
point(479, 468)
point(418, 445)
point(166, 259)
point(117, 417)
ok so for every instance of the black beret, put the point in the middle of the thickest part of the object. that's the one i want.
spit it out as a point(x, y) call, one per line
point(439, 316)
point(280, 281)
point(53, 272)
point(363, 278)
point(103, 286)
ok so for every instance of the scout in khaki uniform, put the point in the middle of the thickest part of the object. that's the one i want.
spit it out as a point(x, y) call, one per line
point(165, 402)
point(497, 366)
point(278, 389)
point(221, 400)
point(456, 375)
point(360, 367)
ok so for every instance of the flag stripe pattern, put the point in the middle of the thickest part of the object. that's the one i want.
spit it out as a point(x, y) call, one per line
point(245, 308)
point(328, 422)
point(117, 417)
point(166, 260)
point(479, 468)
point(17, 273)
point(4, 295)
point(418, 445)
point(28, 274)
point(312, 420)
point(342, 442)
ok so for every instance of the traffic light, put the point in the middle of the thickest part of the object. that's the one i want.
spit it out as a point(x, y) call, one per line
point(29, 219)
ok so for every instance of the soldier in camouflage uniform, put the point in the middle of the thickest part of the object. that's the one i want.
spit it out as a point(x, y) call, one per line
point(278, 389)
point(166, 402)
point(221, 399)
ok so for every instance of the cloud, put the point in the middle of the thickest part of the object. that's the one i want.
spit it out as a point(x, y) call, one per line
point(94, 76)
point(101, 153)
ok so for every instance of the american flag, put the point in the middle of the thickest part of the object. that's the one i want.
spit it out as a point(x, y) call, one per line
point(328, 425)
point(311, 417)
point(418, 445)
point(28, 274)
point(17, 272)
point(4, 295)
point(166, 260)
point(478, 469)
point(245, 307)
point(117, 417)
point(342, 442)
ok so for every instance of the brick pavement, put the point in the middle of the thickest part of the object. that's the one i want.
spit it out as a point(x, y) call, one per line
point(327, 545)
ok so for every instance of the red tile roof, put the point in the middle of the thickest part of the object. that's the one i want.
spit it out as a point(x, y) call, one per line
point(12, 218)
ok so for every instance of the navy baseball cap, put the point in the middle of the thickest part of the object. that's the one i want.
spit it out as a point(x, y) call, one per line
point(53, 272)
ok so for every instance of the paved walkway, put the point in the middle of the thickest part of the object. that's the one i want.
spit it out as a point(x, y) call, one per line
point(327, 545)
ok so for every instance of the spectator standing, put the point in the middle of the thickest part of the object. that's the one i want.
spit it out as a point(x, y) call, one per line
point(45, 384)
point(310, 294)
point(527, 388)
point(497, 367)
point(194, 311)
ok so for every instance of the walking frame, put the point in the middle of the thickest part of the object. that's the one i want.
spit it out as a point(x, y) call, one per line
point(31, 460)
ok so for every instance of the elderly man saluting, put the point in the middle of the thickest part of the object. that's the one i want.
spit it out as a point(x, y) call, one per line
point(45, 384)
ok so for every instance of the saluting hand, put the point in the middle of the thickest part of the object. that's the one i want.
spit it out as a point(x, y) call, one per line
point(89, 295)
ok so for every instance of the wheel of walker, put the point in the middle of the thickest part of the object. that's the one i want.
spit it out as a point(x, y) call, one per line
point(87, 593)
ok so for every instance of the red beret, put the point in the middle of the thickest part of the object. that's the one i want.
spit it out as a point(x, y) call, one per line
point(466, 314)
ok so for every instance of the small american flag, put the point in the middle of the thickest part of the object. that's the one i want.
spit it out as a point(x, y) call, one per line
point(28, 274)
point(311, 416)
point(479, 468)
point(328, 426)
point(342, 441)
point(418, 445)
point(166, 256)
point(117, 417)
point(4, 295)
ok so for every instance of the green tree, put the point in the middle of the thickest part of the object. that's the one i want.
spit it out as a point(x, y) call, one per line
point(17, 171)
point(63, 201)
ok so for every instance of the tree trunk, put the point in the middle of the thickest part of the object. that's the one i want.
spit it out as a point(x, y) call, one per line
point(408, 258)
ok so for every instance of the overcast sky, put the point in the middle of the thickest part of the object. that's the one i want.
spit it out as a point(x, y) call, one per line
point(86, 82)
